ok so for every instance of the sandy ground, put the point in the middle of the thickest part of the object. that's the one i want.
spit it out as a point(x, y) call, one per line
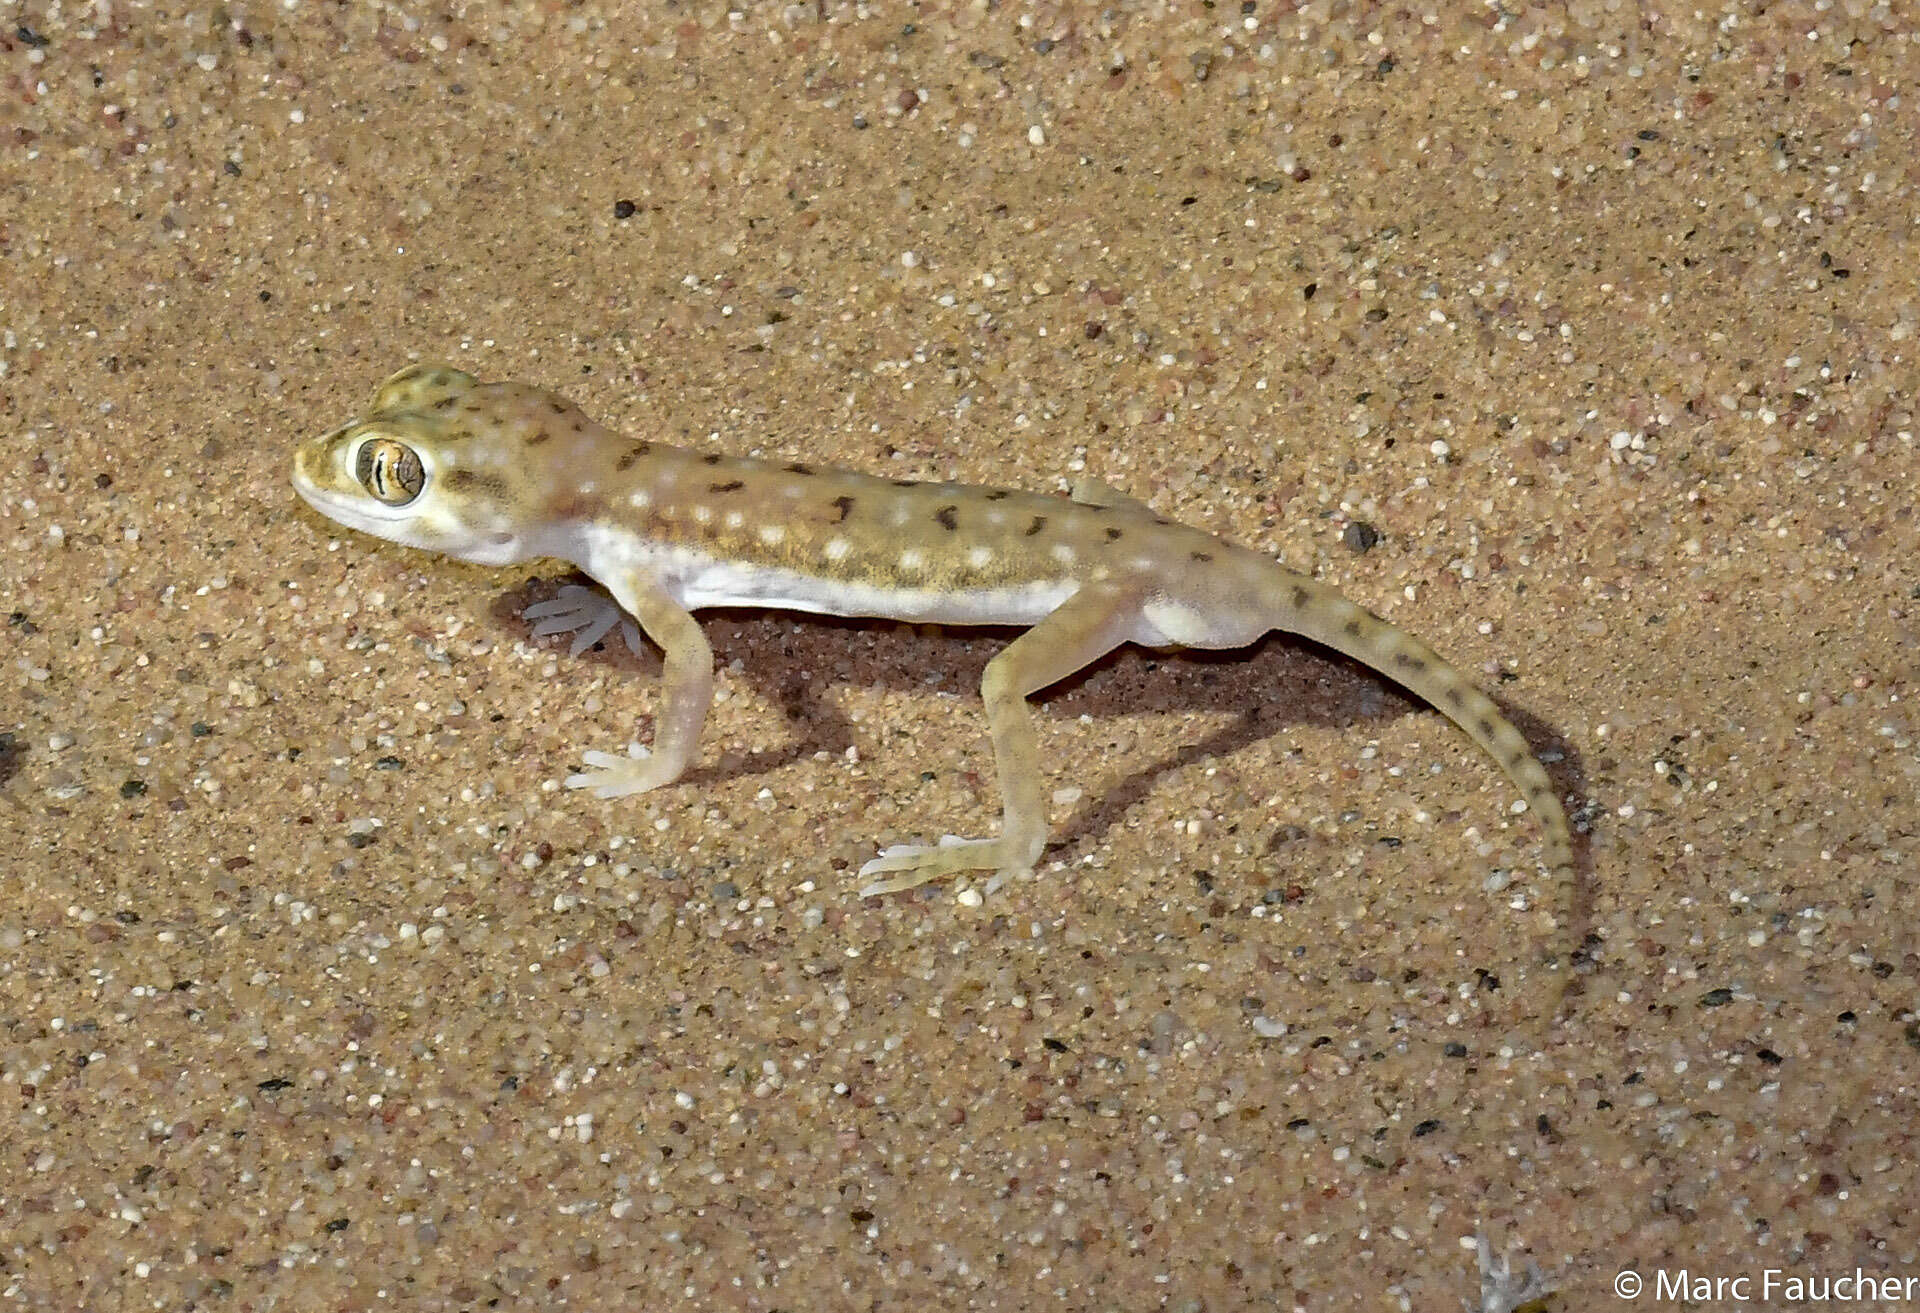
point(318, 991)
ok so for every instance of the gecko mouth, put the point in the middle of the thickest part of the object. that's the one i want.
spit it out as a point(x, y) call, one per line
point(310, 494)
point(316, 495)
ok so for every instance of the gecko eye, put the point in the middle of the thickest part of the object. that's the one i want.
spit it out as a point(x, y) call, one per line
point(390, 470)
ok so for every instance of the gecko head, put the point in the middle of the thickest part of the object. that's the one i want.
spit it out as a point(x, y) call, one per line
point(431, 466)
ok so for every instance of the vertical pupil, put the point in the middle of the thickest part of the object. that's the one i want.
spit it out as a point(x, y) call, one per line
point(409, 473)
point(391, 471)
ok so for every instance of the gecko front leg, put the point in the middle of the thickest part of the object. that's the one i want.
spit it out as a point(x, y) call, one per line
point(686, 691)
point(1081, 630)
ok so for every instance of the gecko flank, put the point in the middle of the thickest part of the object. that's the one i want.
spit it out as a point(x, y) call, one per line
point(499, 473)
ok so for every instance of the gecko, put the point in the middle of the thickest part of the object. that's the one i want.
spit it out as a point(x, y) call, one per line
point(503, 473)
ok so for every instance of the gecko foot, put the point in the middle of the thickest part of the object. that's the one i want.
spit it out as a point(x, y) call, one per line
point(610, 775)
point(587, 610)
point(919, 863)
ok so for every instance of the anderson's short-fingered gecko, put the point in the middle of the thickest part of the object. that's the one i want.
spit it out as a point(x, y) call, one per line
point(499, 473)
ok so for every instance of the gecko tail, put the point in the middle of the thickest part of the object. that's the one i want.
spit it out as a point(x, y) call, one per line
point(1316, 611)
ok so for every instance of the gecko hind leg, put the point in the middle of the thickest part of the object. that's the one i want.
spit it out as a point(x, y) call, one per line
point(1085, 627)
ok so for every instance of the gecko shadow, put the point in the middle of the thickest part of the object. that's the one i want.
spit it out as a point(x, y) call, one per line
point(1277, 682)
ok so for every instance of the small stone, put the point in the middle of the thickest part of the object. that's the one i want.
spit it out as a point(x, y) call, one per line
point(1360, 537)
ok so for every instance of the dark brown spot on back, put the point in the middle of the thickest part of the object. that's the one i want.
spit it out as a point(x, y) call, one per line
point(949, 517)
point(998, 494)
point(711, 460)
point(1202, 557)
point(731, 485)
point(845, 506)
point(445, 403)
point(1352, 628)
point(1300, 598)
point(540, 437)
point(1455, 698)
point(1113, 535)
point(632, 454)
point(558, 407)
point(906, 483)
point(1408, 661)
point(1039, 523)
point(1486, 727)
point(798, 468)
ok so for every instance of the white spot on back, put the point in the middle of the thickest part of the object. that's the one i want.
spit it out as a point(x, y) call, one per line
point(912, 559)
point(771, 534)
point(1063, 553)
point(837, 549)
point(1177, 623)
point(702, 514)
point(979, 556)
point(640, 500)
point(734, 519)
